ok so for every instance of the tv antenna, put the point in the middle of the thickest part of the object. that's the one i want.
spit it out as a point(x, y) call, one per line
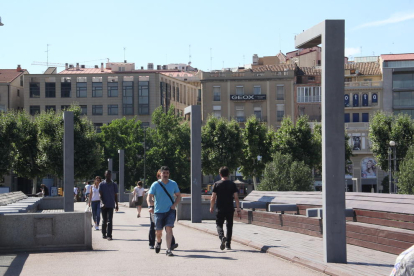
point(189, 54)
point(47, 54)
point(124, 53)
point(211, 60)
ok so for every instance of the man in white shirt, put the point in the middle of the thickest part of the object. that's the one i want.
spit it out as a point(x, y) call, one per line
point(87, 191)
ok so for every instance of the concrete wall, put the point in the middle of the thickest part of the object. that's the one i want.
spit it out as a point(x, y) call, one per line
point(184, 210)
point(43, 232)
point(51, 203)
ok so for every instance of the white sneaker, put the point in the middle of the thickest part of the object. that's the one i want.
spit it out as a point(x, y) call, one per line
point(96, 227)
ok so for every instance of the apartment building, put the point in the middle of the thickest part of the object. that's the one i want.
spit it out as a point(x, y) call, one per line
point(265, 92)
point(107, 93)
point(11, 88)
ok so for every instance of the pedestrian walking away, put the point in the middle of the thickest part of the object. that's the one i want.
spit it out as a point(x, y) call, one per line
point(151, 234)
point(139, 193)
point(87, 191)
point(224, 191)
point(108, 191)
point(162, 193)
point(95, 201)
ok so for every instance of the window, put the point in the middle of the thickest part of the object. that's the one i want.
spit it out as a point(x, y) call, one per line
point(401, 99)
point(346, 100)
point(97, 89)
point(112, 109)
point(240, 114)
point(97, 109)
point(405, 111)
point(112, 89)
point(355, 117)
point(34, 109)
point(18, 92)
point(365, 117)
point(81, 90)
point(280, 112)
point(64, 107)
point(355, 101)
point(216, 93)
point(127, 97)
point(34, 90)
point(403, 80)
point(145, 124)
point(50, 108)
point(98, 127)
point(365, 100)
point(280, 92)
point(217, 111)
point(84, 109)
point(21, 80)
point(143, 97)
point(50, 89)
point(309, 94)
point(257, 90)
point(258, 113)
point(374, 99)
point(347, 118)
point(2, 108)
point(65, 89)
point(239, 90)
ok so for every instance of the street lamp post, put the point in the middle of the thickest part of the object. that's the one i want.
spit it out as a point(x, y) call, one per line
point(392, 156)
point(145, 155)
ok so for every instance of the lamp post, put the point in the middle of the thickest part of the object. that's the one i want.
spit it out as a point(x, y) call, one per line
point(145, 154)
point(392, 156)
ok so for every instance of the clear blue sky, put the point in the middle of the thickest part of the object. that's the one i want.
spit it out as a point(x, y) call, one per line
point(161, 31)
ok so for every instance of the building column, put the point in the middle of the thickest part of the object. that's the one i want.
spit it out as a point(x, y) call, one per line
point(68, 161)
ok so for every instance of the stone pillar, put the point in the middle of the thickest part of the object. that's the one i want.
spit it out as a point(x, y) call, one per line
point(121, 176)
point(195, 113)
point(68, 161)
point(110, 165)
point(331, 34)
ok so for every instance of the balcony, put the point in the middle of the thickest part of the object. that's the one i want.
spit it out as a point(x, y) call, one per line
point(363, 84)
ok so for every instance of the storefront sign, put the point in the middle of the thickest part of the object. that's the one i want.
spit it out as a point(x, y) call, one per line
point(261, 97)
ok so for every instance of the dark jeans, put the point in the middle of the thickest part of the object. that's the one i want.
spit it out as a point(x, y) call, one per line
point(228, 217)
point(151, 235)
point(96, 211)
point(107, 215)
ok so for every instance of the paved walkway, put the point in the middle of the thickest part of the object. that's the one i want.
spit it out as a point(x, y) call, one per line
point(128, 254)
point(304, 249)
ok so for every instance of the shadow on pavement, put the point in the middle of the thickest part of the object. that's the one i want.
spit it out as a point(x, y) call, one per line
point(199, 251)
point(382, 265)
point(16, 266)
point(129, 240)
point(205, 257)
point(267, 247)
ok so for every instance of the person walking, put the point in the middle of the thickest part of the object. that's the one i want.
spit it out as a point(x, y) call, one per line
point(151, 234)
point(162, 192)
point(45, 190)
point(108, 190)
point(87, 191)
point(139, 193)
point(94, 202)
point(224, 191)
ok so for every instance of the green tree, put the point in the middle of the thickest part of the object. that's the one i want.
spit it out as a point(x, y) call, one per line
point(405, 175)
point(256, 142)
point(221, 142)
point(8, 125)
point(129, 136)
point(26, 147)
point(384, 128)
point(298, 141)
point(169, 145)
point(286, 174)
point(88, 153)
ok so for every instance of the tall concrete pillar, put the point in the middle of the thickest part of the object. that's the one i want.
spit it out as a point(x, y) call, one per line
point(331, 34)
point(121, 176)
point(110, 165)
point(196, 181)
point(68, 161)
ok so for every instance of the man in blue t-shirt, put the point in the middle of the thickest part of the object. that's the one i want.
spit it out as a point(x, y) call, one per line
point(162, 192)
point(108, 190)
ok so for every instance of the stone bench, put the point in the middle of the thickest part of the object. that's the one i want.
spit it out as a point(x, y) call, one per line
point(282, 208)
point(19, 201)
point(253, 205)
point(318, 212)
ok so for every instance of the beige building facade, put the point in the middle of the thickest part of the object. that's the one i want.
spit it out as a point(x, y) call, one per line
point(11, 88)
point(105, 94)
point(262, 92)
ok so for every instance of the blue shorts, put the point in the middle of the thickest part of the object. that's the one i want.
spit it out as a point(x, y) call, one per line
point(164, 219)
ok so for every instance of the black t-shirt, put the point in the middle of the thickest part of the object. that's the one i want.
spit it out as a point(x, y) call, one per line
point(225, 190)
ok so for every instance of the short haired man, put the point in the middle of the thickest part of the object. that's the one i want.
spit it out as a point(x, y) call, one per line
point(108, 191)
point(162, 193)
point(224, 191)
point(87, 191)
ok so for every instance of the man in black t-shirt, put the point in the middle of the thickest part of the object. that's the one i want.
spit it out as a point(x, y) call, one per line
point(224, 191)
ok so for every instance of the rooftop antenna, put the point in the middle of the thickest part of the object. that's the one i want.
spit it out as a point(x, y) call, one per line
point(360, 47)
point(211, 60)
point(223, 64)
point(243, 60)
point(189, 54)
point(124, 53)
point(280, 42)
point(47, 55)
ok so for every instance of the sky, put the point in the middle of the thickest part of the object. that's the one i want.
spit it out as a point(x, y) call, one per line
point(216, 34)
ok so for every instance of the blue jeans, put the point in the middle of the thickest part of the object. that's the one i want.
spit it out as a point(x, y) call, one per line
point(96, 211)
point(164, 219)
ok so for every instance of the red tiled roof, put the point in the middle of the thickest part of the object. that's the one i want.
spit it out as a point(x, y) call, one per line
point(365, 68)
point(274, 68)
point(398, 57)
point(8, 75)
